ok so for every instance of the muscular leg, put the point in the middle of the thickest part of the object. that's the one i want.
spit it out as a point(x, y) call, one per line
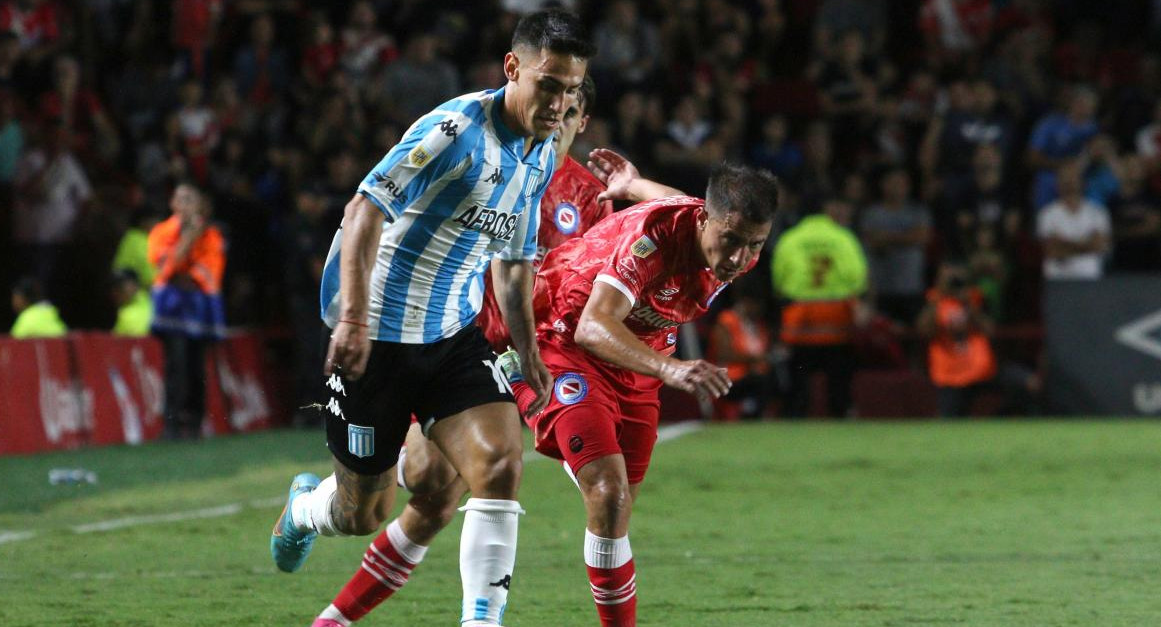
point(389, 561)
point(609, 499)
point(484, 444)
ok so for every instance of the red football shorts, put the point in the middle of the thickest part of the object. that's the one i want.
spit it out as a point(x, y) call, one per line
point(595, 411)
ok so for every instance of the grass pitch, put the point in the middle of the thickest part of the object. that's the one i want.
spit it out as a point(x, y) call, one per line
point(972, 523)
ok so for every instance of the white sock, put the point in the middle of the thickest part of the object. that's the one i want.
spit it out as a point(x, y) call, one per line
point(606, 552)
point(487, 557)
point(334, 614)
point(312, 511)
point(409, 550)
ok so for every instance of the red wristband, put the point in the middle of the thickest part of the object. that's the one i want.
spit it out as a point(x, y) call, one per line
point(358, 324)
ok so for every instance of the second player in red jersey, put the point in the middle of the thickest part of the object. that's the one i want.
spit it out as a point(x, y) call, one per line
point(571, 205)
point(607, 307)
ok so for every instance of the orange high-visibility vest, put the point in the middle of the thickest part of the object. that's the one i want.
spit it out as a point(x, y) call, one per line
point(819, 322)
point(206, 261)
point(957, 363)
point(746, 341)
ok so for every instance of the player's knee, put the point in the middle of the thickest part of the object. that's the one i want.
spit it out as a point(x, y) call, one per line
point(428, 478)
point(435, 513)
point(608, 498)
point(362, 523)
point(498, 476)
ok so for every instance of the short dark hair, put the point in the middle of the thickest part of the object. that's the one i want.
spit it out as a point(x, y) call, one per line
point(749, 192)
point(587, 96)
point(29, 288)
point(554, 30)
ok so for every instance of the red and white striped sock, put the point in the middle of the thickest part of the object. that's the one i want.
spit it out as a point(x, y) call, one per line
point(386, 567)
point(613, 579)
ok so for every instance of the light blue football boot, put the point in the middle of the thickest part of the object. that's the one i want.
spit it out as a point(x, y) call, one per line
point(288, 545)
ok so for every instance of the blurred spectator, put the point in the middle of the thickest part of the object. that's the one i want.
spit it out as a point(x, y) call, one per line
point(1074, 231)
point(1102, 176)
point(35, 315)
point(51, 193)
point(954, 30)
point(985, 201)
point(190, 256)
point(39, 24)
point(365, 48)
point(133, 249)
point(418, 81)
point(688, 148)
point(195, 29)
point(819, 267)
point(79, 111)
point(134, 307)
point(1059, 137)
point(774, 151)
point(262, 68)
point(306, 249)
point(628, 48)
point(192, 132)
point(11, 143)
point(818, 177)
point(896, 233)
point(637, 124)
point(989, 265)
point(835, 17)
point(320, 57)
point(1136, 218)
point(848, 85)
point(970, 121)
point(1148, 141)
point(740, 341)
point(960, 358)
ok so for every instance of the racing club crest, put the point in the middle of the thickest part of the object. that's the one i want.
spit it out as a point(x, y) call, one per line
point(567, 218)
point(571, 388)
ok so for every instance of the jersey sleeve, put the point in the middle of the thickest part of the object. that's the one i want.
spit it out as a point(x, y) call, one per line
point(636, 262)
point(437, 145)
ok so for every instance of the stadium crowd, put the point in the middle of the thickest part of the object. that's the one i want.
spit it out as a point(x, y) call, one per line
point(1004, 142)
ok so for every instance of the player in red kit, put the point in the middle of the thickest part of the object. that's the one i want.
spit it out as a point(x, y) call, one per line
point(607, 307)
point(570, 205)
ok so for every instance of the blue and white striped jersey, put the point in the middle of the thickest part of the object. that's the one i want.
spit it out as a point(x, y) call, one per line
point(456, 191)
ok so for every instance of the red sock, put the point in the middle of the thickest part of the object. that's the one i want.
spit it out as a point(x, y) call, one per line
point(384, 570)
point(615, 593)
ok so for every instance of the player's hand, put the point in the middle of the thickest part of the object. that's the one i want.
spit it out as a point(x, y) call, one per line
point(698, 377)
point(615, 171)
point(539, 380)
point(349, 349)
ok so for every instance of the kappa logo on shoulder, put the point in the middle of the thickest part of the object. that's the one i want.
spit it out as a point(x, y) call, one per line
point(497, 177)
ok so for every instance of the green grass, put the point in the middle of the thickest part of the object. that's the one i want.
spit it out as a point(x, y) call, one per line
point(973, 523)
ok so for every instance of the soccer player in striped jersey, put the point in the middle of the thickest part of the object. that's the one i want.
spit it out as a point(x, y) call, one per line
point(570, 206)
point(401, 287)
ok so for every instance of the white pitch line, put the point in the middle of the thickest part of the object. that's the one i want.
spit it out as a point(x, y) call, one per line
point(15, 536)
point(135, 521)
point(664, 434)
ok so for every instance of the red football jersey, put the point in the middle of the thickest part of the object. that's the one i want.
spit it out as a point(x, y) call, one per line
point(650, 253)
point(568, 208)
